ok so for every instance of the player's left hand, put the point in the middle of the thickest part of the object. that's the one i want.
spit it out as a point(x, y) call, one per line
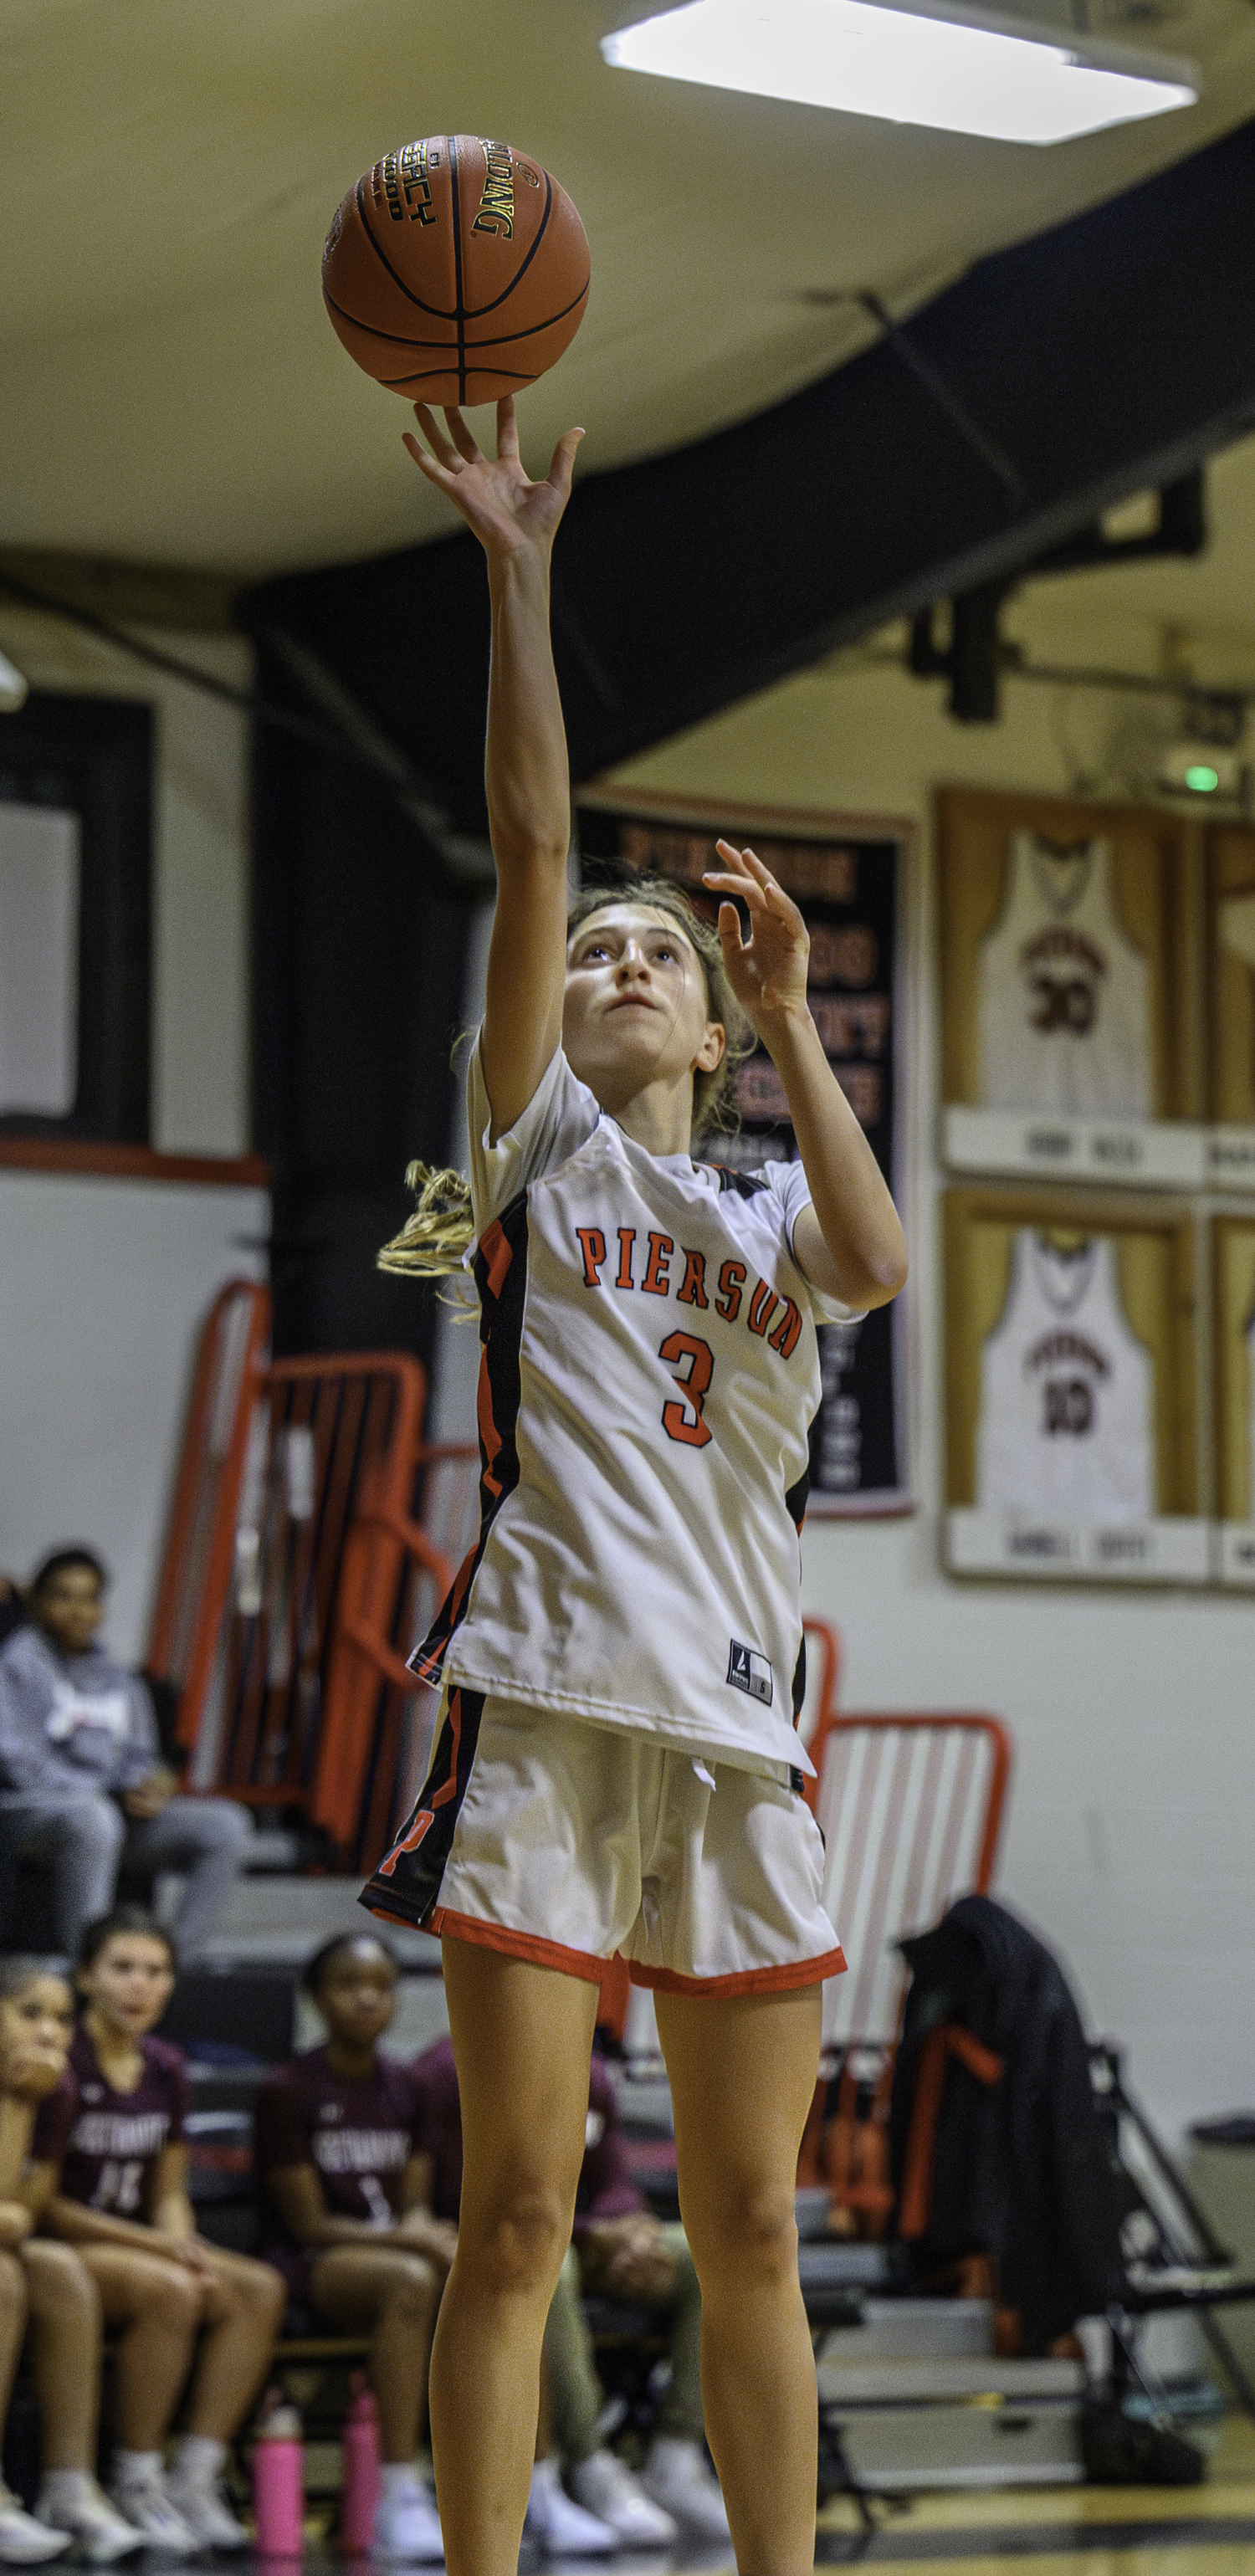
point(767, 971)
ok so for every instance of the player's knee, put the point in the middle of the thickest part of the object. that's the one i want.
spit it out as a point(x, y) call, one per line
point(410, 2292)
point(210, 1826)
point(254, 2288)
point(60, 2285)
point(232, 1825)
point(12, 2292)
point(751, 2233)
point(175, 2299)
point(260, 2290)
point(519, 2241)
point(90, 1830)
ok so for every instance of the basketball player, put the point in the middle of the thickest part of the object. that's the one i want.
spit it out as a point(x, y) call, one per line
point(113, 2136)
point(617, 1769)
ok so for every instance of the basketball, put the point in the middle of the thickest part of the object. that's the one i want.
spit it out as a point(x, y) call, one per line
point(456, 270)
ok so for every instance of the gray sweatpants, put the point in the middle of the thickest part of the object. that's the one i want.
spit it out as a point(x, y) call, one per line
point(86, 1842)
point(576, 2396)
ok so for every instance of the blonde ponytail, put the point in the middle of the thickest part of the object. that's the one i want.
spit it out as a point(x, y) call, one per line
point(432, 1241)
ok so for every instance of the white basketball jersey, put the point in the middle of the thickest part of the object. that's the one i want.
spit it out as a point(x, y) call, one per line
point(650, 1372)
point(1063, 996)
point(1067, 1392)
point(1249, 1331)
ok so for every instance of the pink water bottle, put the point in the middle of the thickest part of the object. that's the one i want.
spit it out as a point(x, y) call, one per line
point(359, 2475)
point(279, 2480)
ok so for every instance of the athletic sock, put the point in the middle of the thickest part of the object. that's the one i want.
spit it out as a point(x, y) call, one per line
point(199, 2458)
point(65, 2488)
point(136, 2468)
point(396, 2476)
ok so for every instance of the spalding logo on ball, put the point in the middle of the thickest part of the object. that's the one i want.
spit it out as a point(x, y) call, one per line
point(456, 270)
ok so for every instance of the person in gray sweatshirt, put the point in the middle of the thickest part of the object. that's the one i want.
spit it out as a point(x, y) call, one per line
point(83, 1788)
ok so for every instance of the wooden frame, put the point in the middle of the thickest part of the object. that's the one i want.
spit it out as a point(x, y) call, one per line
point(93, 756)
point(1156, 1264)
point(1230, 978)
point(1158, 893)
point(1233, 1287)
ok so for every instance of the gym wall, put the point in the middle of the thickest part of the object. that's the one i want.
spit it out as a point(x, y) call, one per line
point(104, 1281)
point(1128, 1838)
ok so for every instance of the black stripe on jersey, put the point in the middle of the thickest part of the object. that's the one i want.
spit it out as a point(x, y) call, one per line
point(799, 1679)
point(407, 1880)
point(500, 1272)
point(746, 1184)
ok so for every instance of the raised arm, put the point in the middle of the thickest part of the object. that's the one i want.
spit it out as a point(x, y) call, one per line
point(849, 1242)
point(529, 805)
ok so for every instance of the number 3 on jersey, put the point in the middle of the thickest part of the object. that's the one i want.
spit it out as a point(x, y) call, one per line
point(682, 1418)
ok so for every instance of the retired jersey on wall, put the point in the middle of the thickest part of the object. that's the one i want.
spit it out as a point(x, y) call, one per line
point(1063, 994)
point(1066, 1426)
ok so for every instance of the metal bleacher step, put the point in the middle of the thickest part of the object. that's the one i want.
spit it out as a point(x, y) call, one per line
point(899, 2332)
point(914, 2410)
point(271, 1848)
point(276, 1920)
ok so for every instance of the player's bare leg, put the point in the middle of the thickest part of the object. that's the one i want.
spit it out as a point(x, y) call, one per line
point(742, 2072)
point(522, 2038)
point(65, 2348)
point(242, 2310)
point(393, 2297)
point(157, 2305)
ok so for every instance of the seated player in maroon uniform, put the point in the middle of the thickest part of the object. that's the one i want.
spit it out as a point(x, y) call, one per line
point(46, 2293)
point(345, 2215)
point(115, 2132)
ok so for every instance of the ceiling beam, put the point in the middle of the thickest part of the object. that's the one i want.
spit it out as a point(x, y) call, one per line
point(1107, 356)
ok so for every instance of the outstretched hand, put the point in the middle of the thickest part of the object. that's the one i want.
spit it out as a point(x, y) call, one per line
point(767, 971)
point(494, 495)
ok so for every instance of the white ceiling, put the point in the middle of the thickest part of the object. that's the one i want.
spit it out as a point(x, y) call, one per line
point(170, 390)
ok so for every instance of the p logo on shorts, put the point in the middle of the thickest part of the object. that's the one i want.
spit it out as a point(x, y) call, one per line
point(409, 1842)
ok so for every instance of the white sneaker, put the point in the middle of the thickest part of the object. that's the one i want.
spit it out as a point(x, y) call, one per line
point(558, 2527)
point(605, 2486)
point(407, 2524)
point(148, 2509)
point(24, 2539)
point(201, 2503)
point(678, 2477)
point(98, 2530)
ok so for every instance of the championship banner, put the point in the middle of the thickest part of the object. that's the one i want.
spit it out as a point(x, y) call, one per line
point(848, 880)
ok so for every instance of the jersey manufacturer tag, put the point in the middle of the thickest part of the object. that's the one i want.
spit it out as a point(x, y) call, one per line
point(750, 1672)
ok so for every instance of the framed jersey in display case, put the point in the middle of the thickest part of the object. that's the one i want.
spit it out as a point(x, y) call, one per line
point(1231, 1005)
point(848, 877)
point(1070, 1383)
point(1071, 979)
point(1233, 1280)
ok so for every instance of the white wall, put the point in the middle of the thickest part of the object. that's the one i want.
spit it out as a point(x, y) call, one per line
point(200, 1048)
point(1133, 1715)
point(104, 1285)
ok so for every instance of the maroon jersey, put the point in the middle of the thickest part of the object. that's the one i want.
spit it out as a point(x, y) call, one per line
point(605, 2189)
point(358, 2137)
point(106, 2143)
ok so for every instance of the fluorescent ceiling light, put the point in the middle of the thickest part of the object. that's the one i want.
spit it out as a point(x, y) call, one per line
point(14, 687)
point(978, 75)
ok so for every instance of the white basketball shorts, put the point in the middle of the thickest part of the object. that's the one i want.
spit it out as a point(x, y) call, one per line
point(561, 1840)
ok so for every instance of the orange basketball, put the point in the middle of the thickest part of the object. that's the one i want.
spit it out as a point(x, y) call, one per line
point(456, 270)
